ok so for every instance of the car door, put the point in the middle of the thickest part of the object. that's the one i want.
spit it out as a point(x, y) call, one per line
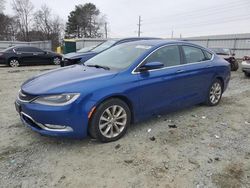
point(165, 88)
point(199, 70)
point(25, 55)
point(43, 56)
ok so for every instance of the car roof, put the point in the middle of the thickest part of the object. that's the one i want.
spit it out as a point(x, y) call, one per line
point(120, 40)
point(159, 42)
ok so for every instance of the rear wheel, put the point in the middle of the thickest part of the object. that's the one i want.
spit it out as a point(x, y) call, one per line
point(234, 66)
point(110, 120)
point(14, 63)
point(214, 93)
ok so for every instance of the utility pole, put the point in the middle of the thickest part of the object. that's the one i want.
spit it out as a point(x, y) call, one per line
point(172, 35)
point(106, 30)
point(139, 27)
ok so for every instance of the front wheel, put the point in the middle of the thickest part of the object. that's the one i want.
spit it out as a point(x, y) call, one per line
point(57, 61)
point(215, 93)
point(110, 120)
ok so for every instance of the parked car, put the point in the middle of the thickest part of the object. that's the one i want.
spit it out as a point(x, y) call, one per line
point(228, 56)
point(125, 84)
point(81, 57)
point(27, 55)
point(245, 65)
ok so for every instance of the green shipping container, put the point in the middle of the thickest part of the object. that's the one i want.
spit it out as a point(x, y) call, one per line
point(69, 46)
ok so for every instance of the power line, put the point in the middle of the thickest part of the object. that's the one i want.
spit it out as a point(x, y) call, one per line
point(202, 12)
point(208, 24)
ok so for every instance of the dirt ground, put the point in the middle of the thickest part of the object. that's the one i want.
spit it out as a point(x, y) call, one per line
point(196, 147)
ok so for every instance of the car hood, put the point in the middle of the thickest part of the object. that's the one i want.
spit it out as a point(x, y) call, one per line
point(77, 55)
point(66, 79)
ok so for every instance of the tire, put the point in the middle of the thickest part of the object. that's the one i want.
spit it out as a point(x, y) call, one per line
point(57, 60)
point(247, 74)
point(214, 93)
point(110, 116)
point(14, 63)
point(234, 66)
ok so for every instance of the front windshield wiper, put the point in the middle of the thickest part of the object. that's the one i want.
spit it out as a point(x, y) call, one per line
point(99, 66)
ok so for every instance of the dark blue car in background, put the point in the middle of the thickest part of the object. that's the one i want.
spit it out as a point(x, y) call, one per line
point(125, 84)
point(81, 57)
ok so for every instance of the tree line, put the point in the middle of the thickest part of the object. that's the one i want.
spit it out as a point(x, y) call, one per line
point(30, 24)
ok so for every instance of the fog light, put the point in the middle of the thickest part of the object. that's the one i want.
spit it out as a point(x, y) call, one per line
point(55, 126)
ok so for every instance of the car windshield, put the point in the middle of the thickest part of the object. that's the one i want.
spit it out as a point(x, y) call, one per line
point(86, 49)
point(8, 49)
point(118, 57)
point(103, 46)
point(221, 51)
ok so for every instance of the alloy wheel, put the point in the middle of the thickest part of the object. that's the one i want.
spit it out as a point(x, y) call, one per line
point(215, 93)
point(57, 61)
point(14, 63)
point(113, 121)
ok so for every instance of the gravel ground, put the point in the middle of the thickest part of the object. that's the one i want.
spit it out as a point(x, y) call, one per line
point(196, 147)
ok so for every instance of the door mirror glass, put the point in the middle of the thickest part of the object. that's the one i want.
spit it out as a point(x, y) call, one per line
point(151, 66)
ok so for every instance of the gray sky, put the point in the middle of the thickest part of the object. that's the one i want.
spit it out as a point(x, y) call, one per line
point(160, 17)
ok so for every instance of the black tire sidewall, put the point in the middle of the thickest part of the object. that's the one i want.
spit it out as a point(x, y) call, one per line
point(94, 124)
point(234, 66)
point(208, 102)
point(247, 74)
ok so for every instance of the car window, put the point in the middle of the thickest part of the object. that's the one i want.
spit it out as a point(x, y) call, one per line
point(208, 55)
point(169, 56)
point(28, 49)
point(193, 54)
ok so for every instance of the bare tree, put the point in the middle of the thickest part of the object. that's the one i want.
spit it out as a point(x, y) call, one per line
point(49, 26)
point(24, 11)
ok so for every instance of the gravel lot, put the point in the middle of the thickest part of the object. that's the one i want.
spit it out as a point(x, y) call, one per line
point(209, 147)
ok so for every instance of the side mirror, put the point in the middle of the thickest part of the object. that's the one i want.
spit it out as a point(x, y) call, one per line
point(151, 66)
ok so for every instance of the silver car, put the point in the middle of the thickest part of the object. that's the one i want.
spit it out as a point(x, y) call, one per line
point(246, 65)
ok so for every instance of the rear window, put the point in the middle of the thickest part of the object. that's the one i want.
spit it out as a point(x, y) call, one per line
point(193, 54)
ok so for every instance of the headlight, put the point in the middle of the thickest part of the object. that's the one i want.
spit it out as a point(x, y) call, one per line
point(57, 100)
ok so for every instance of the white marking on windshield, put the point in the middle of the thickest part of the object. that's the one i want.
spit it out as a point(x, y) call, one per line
point(143, 47)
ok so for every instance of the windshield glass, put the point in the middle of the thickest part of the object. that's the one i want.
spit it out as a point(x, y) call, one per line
point(119, 57)
point(86, 49)
point(103, 46)
point(221, 51)
point(8, 49)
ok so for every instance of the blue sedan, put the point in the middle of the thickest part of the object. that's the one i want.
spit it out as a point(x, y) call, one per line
point(123, 85)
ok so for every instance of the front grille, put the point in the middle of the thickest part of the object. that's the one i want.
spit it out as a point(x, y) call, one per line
point(26, 97)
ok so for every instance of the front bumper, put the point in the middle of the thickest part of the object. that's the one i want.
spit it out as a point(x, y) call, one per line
point(73, 121)
point(245, 66)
